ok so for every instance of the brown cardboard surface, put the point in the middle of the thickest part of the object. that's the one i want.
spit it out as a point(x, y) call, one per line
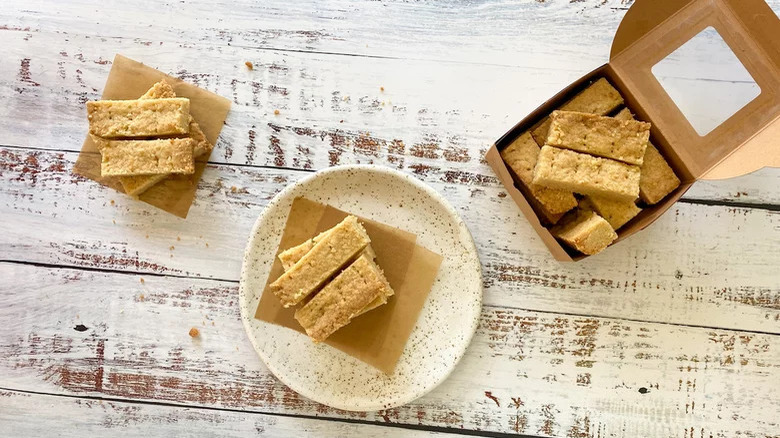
point(751, 30)
point(650, 31)
point(378, 337)
point(130, 79)
point(642, 220)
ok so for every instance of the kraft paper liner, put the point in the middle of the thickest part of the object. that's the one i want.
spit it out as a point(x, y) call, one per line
point(377, 337)
point(130, 79)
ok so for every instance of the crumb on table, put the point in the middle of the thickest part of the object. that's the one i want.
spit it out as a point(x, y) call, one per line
point(276, 112)
point(382, 89)
point(172, 248)
point(249, 65)
point(112, 202)
point(194, 332)
point(233, 189)
point(141, 297)
point(142, 280)
point(178, 237)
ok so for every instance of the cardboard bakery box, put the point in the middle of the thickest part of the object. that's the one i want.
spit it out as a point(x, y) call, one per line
point(650, 31)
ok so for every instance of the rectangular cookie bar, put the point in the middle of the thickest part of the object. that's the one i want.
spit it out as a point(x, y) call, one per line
point(585, 231)
point(586, 174)
point(617, 213)
point(343, 298)
point(291, 256)
point(139, 118)
point(658, 179)
point(599, 98)
point(135, 185)
point(608, 137)
point(339, 247)
point(146, 157)
point(521, 157)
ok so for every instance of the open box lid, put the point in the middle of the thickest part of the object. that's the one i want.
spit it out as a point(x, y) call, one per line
point(653, 29)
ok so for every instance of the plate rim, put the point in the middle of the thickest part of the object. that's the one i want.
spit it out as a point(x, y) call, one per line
point(242, 296)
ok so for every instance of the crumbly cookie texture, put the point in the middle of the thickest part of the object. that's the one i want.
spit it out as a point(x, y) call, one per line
point(139, 118)
point(330, 254)
point(657, 179)
point(599, 98)
point(146, 157)
point(585, 231)
point(290, 257)
point(617, 213)
point(521, 158)
point(585, 174)
point(608, 137)
point(136, 185)
point(342, 299)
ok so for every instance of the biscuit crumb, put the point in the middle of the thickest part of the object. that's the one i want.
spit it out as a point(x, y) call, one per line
point(172, 248)
point(207, 245)
point(147, 236)
point(276, 112)
point(212, 323)
point(112, 202)
point(194, 332)
point(178, 237)
point(142, 280)
point(141, 297)
point(382, 89)
point(249, 65)
point(114, 221)
point(233, 189)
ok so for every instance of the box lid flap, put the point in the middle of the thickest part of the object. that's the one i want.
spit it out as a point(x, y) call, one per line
point(653, 29)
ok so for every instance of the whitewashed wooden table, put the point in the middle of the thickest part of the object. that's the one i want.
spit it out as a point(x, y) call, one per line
point(672, 333)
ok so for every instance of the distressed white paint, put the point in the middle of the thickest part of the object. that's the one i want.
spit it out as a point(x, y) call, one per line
point(450, 89)
point(679, 270)
point(69, 417)
point(526, 372)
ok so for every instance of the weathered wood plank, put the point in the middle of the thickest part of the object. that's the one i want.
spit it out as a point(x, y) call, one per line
point(78, 417)
point(680, 270)
point(108, 334)
point(433, 119)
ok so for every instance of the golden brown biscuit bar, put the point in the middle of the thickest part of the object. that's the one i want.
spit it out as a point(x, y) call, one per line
point(586, 174)
point(521, 157)
point(135, 185)
point(657, 179)
point(617, 213)
point(139, 118)
point(340, 246)
point(146, 157)
point(599, 98)
point(585, 231)
point(291, 256)
point(608, 137)
point(342, 299)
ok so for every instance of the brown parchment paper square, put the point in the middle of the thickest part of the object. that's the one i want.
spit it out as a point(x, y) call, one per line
point(130, 79)
point(377, 337)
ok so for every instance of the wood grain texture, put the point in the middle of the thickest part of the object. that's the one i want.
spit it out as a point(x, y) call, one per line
point(78, 417)
point(78, 333)
point(676, 271)
point(434, 119)
point(670, 333)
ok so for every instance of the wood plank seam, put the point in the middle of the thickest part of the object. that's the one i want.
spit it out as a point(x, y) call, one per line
point(406, 426)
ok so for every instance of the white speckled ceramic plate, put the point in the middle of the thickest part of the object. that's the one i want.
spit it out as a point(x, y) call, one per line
point(446, 324)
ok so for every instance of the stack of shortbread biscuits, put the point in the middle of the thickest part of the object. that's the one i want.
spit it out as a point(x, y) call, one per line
point(144, 141)
point(584, 172)
point(335, 271)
